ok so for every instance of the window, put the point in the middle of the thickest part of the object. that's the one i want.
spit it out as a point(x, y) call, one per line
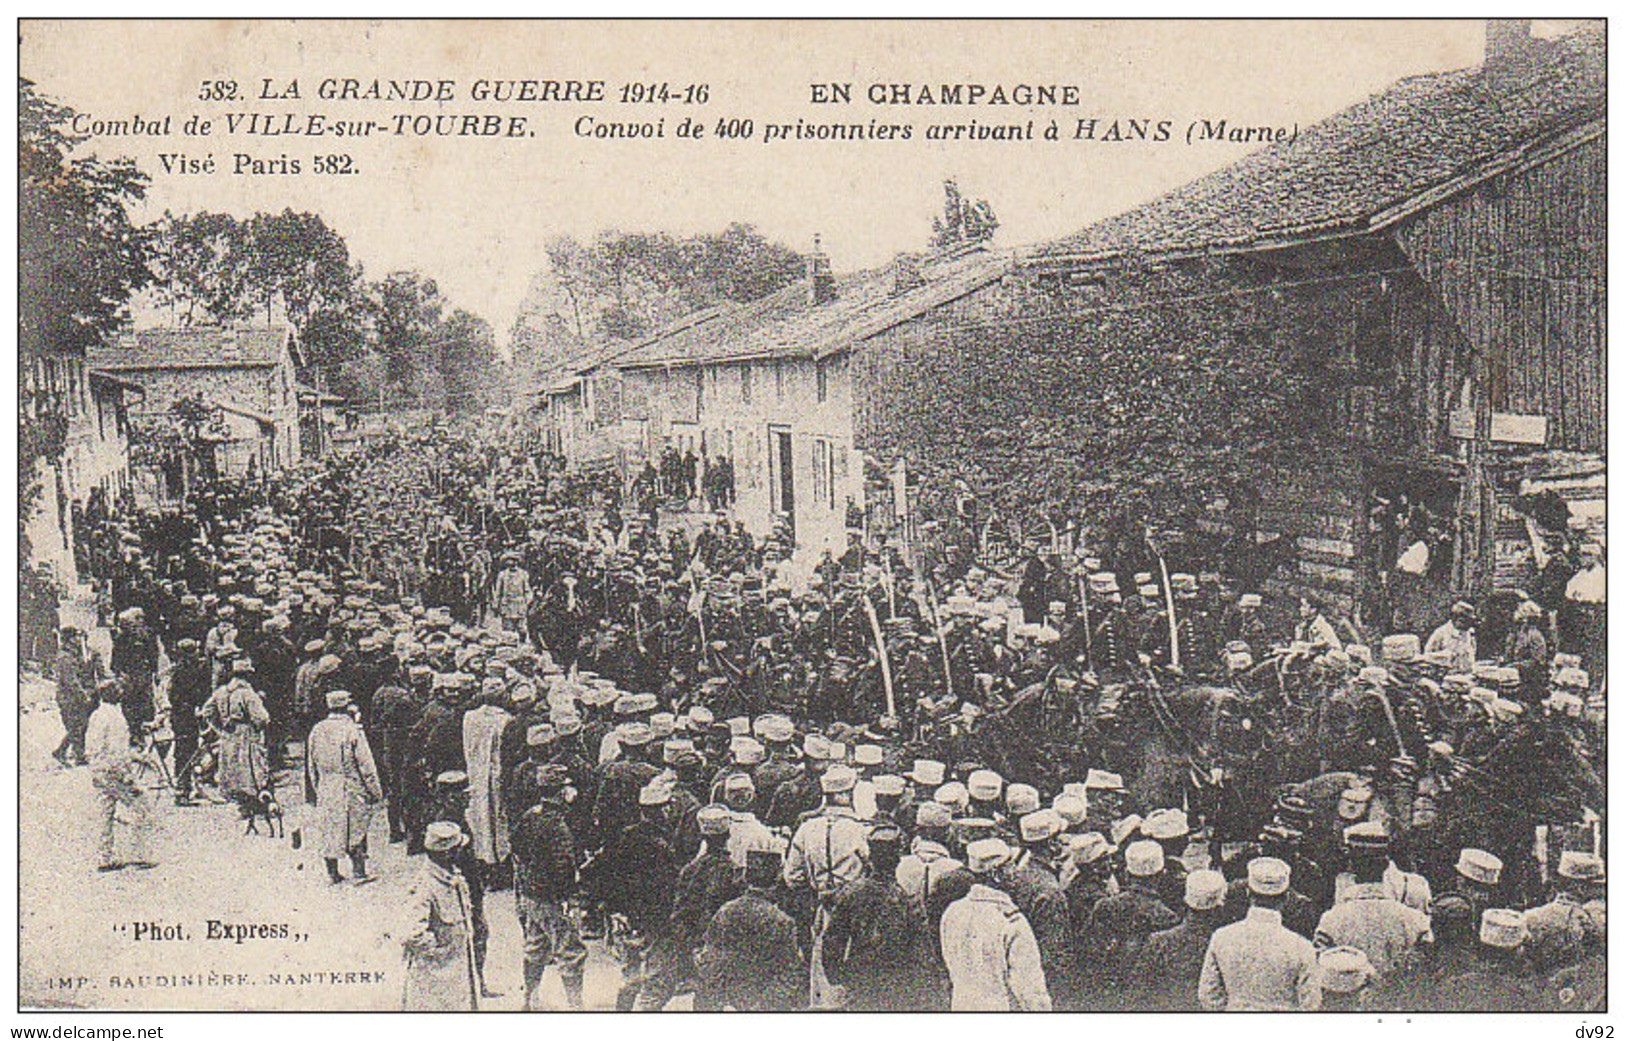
point(744, 382)
point(699, 391)
point(778, 377)
point(823, 380)
point(823, 472)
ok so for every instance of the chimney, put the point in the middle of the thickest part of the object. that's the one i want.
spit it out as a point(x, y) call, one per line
point(1507, 42)
point(820, 280)
point(906, 274)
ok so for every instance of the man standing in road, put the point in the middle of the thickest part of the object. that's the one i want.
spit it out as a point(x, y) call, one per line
point(112, 774)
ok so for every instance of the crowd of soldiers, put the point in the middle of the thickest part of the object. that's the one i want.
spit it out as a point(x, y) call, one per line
point(783, 787)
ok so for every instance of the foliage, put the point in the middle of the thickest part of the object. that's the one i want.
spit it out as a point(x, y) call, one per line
point(962, 220)
point(623, 285)
point(79, 257)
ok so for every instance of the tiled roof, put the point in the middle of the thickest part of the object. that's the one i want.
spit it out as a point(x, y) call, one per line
point(193, 347)
point(1419, 134)
point(787, 323)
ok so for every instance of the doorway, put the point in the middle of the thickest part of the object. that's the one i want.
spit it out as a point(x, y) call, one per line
point(783, 469)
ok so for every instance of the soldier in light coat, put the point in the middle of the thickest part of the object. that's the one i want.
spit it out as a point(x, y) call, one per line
point(438, 943)
point(482, 739)
point(341, 781)
point(510, 597)
point(992, 957)
point(238, 713)
point(1258, 964)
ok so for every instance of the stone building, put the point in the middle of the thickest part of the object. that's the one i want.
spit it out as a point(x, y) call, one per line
point(249, 374)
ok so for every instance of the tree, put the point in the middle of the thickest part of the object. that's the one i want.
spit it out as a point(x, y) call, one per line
point(406, 308)
point(79, 261)
point(467, 361)
point(214, 267)
point(623, 285)
point(962, 220)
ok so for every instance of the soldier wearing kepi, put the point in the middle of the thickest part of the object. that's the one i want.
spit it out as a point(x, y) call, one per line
point(341, 782)
point(875, 948)
point(992, 956)
point(1170, 964)
point(438, 942)
point(749, 959)
point(827, 852)
point(1258, 963)
point(546, 858)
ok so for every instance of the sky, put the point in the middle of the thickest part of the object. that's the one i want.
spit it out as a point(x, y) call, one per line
point(475, 214)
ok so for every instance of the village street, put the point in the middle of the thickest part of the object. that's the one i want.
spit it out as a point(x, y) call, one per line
point(78, 927)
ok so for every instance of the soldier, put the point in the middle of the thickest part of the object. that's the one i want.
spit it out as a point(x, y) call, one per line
point(1563, 931)
point(988, 945)
point(188, 693)
point(828, 851)
point(1500, 976)
point(135, 662)
point(238, 714)
point(1257, 963)
point(439, 939)
point(112, 775)
point(1170, 964)
point(801, 794)
point(875, 949)
point(749, 959)
point(1123, 922)
point(397, 709)
point(1033, 882)
point(75, 696)
point(546, 857)
point(1367, 916)
point(640, 867)
point(704, 884)
point(341, 782)
point(1476, 885)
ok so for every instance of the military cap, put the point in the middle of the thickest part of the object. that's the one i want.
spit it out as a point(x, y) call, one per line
point(713, 820)
point(889, 785)
point(1503, 928)
point(739, 726)
point(1345, 970)
point(539, 734)
point(1102, 780)
point(1102, 583)
point(663, 724)
point(1124, 828)
point(739, 783)
point(984, 785)
point(1580, 866)
point(183, 644)
point(1143, 858)
point(1353, 801)
point(1041, 826)
point(1021, 799)
point(452, 779)
point(1250, 601)
point(927, 773)
point(440, 836)
point(1204, 889)
point(1165, 824)
point(551, 778)
point(775, 729)
point(932, 815)
point(868, 755)
point(337, 699)
point(1089, 847)
point(242, 666)
point(634, 734)
point(816, 747)
point(1183, 583)
point(1371, 835)
point(1268, 876)
point(838, 778)
point(700, 716)
point(656, 793)
point(1074, 810)
point(1401, 648)
point(746, 750)
point(986, 855)
point(952, 794)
